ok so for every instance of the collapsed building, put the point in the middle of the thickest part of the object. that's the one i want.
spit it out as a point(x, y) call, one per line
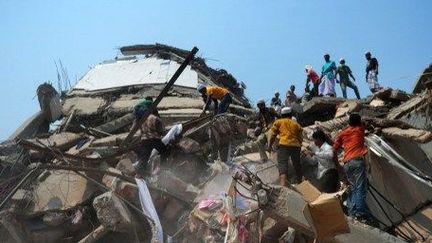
point(75, 182)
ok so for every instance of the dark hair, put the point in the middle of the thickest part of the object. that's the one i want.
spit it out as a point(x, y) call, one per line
point(319, 134)
point(354, 119)
point(149, 98)
point(287, 115)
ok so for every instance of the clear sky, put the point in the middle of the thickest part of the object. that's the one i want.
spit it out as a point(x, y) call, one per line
point(266, 44)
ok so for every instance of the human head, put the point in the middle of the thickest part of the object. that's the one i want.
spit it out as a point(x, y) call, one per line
point(201, 88)
point(276, 94)
point(141, 108)
point(354, 119)
point(261, 104)
point(327, 57)
point(292, 88)
point(368, 55)
point(149, 98)
point(319, 137)
point(342, 61)
point(308, 67)
point(286, 112)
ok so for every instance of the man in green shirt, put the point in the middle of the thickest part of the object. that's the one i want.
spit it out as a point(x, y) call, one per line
point(344, 73)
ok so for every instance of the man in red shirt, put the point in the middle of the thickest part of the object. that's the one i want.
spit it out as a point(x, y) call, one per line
point(313, 77)
point(351, 139)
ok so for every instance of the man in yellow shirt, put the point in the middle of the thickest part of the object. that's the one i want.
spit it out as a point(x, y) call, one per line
point(215, 94)
point(290, 140)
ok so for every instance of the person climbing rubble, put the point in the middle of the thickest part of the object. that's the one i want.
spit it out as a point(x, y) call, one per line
point(291, 97)
point(276, 102)
point(266, 116)
point(290, 134)
point(216, 94)
point(372, 73)
point(321, 155)
point(344, 72)
point(327, 78)
point(151, 136)
point(352, 140)
point(312, 76)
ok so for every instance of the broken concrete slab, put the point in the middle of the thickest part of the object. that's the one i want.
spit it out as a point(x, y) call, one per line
point(319, 109)
point(407, 106)
point(113, 140)
point(420, 136)
point(84, 106)
point(62, 141)
point(112, 212)
point(34, 125)
point(169, 102)
point(346, 107)
point(61, 190)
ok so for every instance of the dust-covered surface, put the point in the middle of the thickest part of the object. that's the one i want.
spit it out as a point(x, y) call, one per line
point(77, 181)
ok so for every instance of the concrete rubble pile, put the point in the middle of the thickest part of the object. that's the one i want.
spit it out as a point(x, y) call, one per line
point(67, 176)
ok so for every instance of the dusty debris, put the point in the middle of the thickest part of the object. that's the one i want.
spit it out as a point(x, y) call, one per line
point(76, 182)
point(112, 212)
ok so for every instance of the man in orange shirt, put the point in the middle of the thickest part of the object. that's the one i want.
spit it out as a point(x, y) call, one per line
point(215, 94)
point(352, 140)
point(290, 134)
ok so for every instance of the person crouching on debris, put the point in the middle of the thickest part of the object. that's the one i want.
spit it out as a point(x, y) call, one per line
point(345, 73)
point(151, 133)
point(266, 116)
point(276, 102)
point(290, 141)
point(312, 76)
point(352, 140)
point(215, 94)
point(291, 97)
point(327, 78)
point(321, 155)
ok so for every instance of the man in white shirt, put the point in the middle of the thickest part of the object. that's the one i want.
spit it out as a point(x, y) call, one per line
point(321, 154)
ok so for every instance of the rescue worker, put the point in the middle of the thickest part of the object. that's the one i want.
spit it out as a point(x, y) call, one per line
point(216, 94)
point(266, 118)
point(344, 72)
point(327, 78)
point(372, 73)
point(276, 102)
point(291, 97)
point(352, 140)
point(321, 155)
point(290, 141)
point(312, 76)
point(152, 130)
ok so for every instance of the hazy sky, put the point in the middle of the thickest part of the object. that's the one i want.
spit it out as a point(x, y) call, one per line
point(266, 44)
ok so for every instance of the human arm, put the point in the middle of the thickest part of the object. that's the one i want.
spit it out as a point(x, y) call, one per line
point(350, 74)
point(308, 79)
point(216, 104)
point(207, 103)
point(271, 142)
point(337, 144)
point(376, 66)
point(275, 132)
point(300, 134)
point(160, 128)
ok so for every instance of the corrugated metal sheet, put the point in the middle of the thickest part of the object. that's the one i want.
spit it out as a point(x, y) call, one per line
point(135, 72)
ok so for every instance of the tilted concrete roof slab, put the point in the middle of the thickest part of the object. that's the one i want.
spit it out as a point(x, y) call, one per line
point(122, 73)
